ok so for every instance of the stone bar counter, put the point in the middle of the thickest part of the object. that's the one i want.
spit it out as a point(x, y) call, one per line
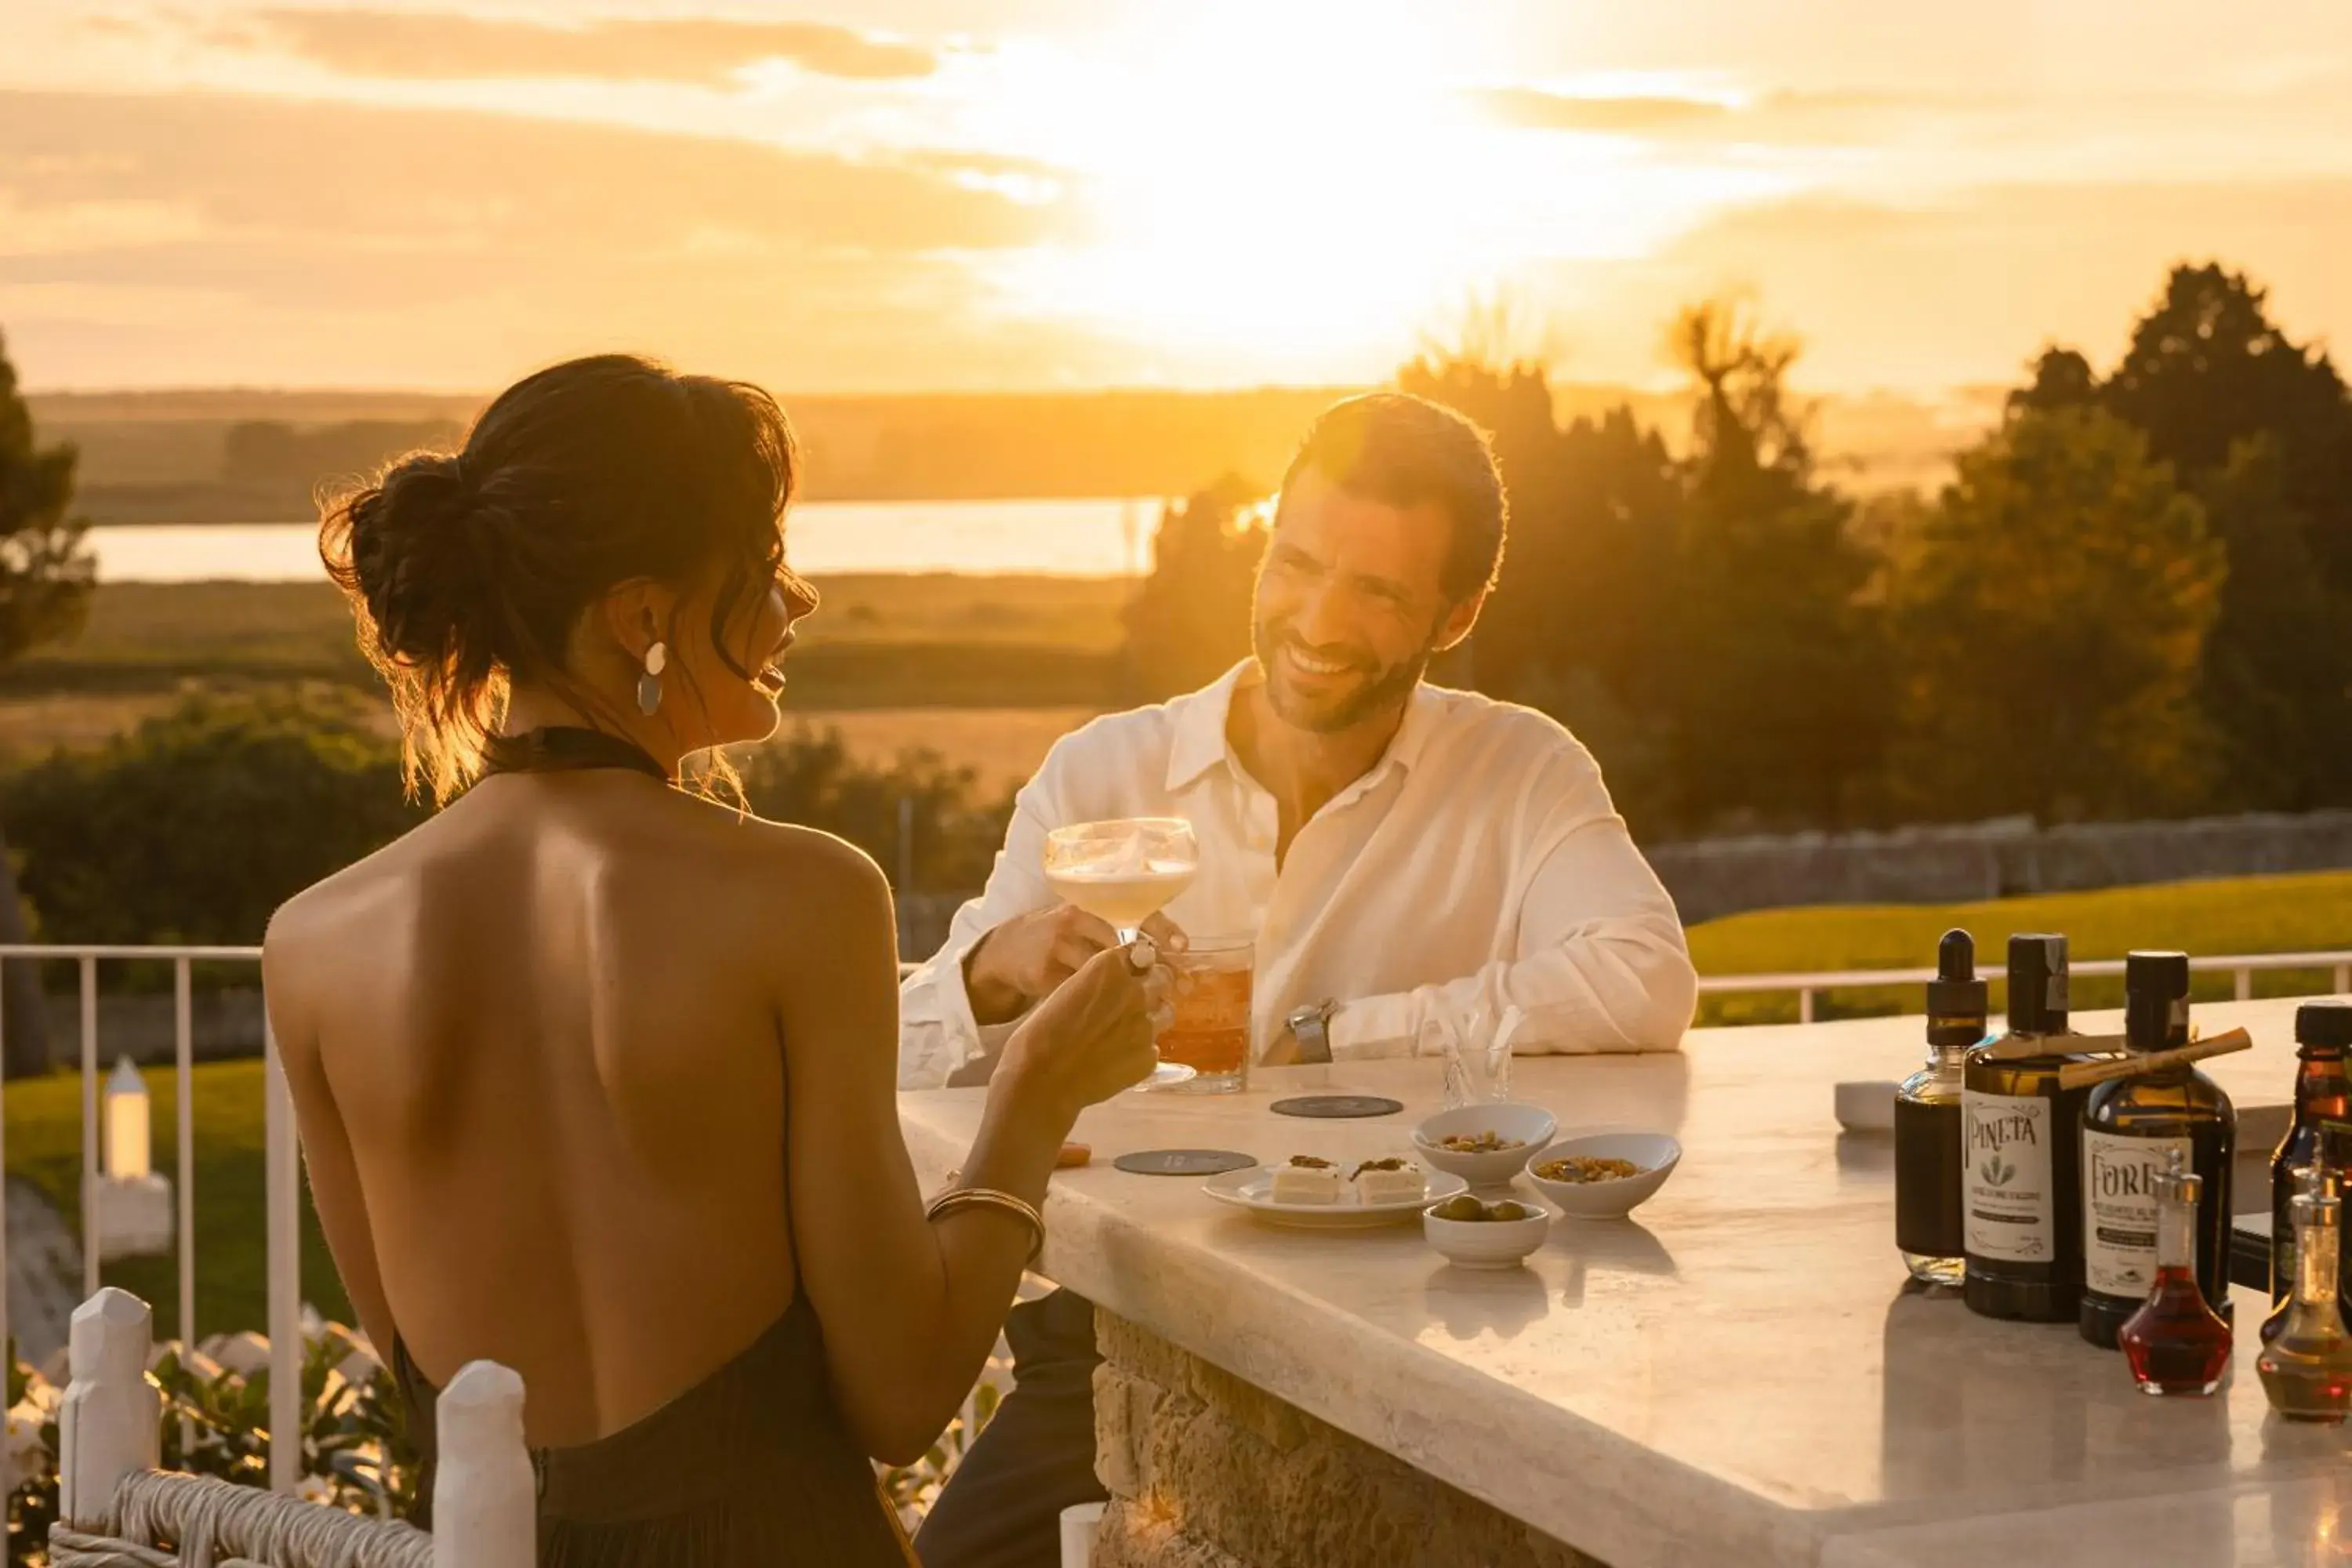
point(1736, 1374)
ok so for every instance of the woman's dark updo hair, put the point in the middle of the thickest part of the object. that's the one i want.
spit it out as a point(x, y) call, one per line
point(469, 572)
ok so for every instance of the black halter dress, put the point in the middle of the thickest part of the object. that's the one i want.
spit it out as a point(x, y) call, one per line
point(751, 1468)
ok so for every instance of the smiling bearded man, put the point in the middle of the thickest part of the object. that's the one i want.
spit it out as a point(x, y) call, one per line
point(1396, 852)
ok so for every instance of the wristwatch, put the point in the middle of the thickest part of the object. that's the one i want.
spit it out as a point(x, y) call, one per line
point(1311, 1027)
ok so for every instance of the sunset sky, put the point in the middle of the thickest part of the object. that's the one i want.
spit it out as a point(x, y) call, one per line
point(907, 194)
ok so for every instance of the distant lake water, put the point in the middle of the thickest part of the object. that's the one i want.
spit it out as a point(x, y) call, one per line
point(1058, 538)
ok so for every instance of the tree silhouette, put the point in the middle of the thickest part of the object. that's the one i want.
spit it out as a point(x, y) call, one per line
point(2052, 626)
point(2063, 378)
point(1774, 672)
point(1189, 619)
point(45, 585)
point(2207, 373)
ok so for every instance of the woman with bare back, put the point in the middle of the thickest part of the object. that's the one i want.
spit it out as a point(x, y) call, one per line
point(595, 1073)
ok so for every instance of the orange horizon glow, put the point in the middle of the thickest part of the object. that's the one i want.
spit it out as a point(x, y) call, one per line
point(908, 195)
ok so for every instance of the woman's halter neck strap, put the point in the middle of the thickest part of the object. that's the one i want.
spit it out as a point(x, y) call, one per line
point(567, 748)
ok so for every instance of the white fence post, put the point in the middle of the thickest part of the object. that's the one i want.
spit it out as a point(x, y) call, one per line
point(183, 1034)
point(485, 1494)
point(281, 1185)
point(110, 1424)
point(2342, 978)
point(1080, 1521)
point(2245, 983)
point(89, 1218)
point(1804, 1003)
point(7, 1474)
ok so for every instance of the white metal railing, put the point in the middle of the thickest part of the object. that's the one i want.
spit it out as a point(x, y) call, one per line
point(2241, 966)
point(281, 1171)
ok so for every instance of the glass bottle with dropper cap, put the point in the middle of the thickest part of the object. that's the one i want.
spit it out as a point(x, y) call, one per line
point(1927, 1158)
point(2176, 1343)
point(2307, 1369)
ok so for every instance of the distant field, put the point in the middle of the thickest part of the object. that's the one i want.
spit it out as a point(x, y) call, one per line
point(2242, 914)
point(1002, 746)
point(878, 642)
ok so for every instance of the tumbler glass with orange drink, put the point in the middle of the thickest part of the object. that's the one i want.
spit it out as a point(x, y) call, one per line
point(1211, 1030)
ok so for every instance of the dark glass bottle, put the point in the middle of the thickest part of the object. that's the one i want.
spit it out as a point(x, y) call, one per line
point(2175, 1341)
point(2022, 1177)
point(2323, 1093)
point(2130, 1125)
point(1927, 1120)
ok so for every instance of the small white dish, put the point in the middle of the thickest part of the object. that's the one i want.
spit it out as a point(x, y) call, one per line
point(1252, 1190)
point(1866, 1107)
point(1487, 1243)
point(1655, 1153)
point(1532, 1125)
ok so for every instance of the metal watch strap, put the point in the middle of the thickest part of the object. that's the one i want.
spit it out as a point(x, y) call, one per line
point(1311, 1028)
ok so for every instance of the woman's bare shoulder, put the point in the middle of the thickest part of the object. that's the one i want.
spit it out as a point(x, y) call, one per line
point(787, 860)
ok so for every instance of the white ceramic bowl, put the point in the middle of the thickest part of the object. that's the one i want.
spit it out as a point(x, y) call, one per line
point(1532, 1125)
point(1487, 1243)
point(1865, 1107)
point(1655, 1153)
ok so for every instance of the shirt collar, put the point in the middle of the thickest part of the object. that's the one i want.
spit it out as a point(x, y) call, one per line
point(1199, 741)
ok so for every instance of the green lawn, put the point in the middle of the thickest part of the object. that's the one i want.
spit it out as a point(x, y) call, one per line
point(934, 640)
point(44, 1133)
point(2255, 914)
point(2240, 914)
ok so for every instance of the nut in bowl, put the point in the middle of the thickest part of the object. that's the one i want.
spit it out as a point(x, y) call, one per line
point(1475, 1235)
point(1485, 1145)
point(1604, 1175)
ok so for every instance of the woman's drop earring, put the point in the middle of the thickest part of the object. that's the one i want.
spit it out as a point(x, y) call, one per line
point(649, 683)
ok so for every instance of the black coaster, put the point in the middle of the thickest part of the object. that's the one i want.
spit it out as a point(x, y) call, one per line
point(1182, 1162)
point(1330, 1107)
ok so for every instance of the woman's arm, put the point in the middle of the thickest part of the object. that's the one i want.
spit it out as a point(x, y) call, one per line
point(910, 1308)
point(326, 1148)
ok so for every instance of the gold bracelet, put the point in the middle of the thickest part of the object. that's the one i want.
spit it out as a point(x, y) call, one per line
point(947, 1203)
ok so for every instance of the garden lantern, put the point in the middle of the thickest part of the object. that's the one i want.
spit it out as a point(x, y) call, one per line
point(135, 1203)
point(127, 1124)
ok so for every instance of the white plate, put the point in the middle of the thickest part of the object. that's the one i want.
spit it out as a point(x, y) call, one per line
point(1251, 1190)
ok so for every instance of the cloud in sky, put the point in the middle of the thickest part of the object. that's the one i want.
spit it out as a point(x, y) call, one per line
point(415, 181)
point(203, 237)
point(210, 190)
point(694, 50)
point(1794, 119)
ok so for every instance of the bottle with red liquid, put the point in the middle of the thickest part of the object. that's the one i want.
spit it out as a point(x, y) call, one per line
point(2176, 1344)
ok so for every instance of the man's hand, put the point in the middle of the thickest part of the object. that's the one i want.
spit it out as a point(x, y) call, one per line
point(1017, 964)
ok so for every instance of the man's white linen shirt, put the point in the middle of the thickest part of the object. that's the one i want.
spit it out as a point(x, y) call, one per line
point(1479, 863)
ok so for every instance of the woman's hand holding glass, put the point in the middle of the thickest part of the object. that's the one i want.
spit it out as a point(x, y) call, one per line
point(1092, 1035)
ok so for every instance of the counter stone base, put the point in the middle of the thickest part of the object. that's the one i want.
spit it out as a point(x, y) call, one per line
point(1205, 1470)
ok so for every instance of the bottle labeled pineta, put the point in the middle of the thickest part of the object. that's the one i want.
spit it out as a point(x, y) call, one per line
point(2307, 1369)
point(1927, 1156)
point(2022, 1133)
point(2131, 1126)
point(2323, 1093)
